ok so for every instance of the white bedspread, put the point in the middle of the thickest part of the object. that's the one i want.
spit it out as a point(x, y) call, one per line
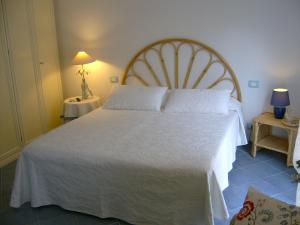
point(147, 168)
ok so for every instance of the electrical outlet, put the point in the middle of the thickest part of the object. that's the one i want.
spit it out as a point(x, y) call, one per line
point(114, 79)
point(249, 126)
point(253, 83)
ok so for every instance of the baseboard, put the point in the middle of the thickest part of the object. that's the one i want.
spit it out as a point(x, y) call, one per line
point(10, 156)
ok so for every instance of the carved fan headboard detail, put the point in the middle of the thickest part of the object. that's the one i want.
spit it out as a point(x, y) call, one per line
point(181, 63)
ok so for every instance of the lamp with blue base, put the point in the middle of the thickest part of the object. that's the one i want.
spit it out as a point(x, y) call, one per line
point(280, 99)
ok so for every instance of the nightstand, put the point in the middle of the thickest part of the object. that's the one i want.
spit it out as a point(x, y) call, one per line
point(263, 137)
point(74, 109)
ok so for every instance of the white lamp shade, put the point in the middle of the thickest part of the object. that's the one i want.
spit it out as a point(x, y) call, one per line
point(82, 58)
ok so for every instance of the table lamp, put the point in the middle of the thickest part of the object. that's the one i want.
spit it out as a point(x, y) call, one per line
point(82, 58)
point(280, 99)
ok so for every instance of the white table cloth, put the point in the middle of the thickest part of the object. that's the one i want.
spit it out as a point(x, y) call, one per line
point(73, 108)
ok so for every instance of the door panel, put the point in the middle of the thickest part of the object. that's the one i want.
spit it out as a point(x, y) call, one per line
point(8, 132)
point(48, 57)
point(21, 57)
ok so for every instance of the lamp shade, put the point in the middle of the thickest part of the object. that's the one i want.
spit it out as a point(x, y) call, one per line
point(82, 58)
point(280, 97)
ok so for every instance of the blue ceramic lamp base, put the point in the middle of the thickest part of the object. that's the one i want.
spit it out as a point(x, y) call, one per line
point(279, 112)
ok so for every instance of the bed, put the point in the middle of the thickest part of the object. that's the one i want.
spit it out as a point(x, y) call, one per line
point(144, 167)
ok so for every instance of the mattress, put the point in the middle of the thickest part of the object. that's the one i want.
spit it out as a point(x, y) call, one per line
point(149, 168)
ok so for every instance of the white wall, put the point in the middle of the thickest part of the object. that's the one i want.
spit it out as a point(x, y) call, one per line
point(259, 38)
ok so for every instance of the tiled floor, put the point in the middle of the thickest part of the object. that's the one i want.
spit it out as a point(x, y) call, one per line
point(266, 173)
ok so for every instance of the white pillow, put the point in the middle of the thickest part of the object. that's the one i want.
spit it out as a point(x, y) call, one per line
point(136, 98)
point(196, 100)
point(235, 105)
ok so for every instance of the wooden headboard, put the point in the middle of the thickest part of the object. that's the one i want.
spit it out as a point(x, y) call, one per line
point(172, 63)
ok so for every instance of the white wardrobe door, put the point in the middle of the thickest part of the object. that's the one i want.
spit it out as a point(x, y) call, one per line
point(45, 31)
point(21, 57)
point(8, 131)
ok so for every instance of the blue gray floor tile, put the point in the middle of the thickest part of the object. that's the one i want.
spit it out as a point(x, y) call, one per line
point(267, 173)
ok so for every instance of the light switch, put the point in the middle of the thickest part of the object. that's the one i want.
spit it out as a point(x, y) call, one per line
point(253, 83)
point(114, 79)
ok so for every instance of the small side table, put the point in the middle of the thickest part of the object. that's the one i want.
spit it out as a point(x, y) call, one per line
point(263, 137)
point(74, 109)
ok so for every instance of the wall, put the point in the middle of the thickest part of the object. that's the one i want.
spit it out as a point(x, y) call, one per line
point(260, 39)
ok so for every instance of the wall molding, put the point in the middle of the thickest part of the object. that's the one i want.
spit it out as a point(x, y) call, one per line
point(10, 156)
